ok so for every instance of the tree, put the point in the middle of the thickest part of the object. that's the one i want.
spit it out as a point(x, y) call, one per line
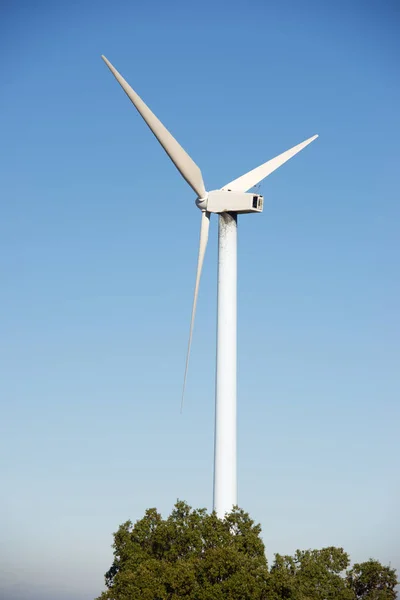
point(310, 575)
point(372, 581)
point(194, 555)
point(191, 554)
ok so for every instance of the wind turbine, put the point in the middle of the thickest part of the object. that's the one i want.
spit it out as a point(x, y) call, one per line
point(229, 201)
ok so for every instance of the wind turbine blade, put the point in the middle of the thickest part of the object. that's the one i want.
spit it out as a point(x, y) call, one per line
point(204, 228)
point(185, 165)
point(250, 179)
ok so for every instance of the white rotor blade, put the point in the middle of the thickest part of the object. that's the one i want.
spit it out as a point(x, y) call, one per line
point(185, 165)
point(204, 228)
point(250, 179)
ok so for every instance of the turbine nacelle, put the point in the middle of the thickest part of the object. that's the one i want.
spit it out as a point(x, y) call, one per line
point(220, 201)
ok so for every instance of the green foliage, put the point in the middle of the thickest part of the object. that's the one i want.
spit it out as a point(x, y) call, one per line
point(311, 574)
point(371, 581)
point(195, 555)
point(191, 554)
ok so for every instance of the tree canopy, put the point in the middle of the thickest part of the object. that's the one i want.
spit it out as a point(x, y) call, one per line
point(194, 555)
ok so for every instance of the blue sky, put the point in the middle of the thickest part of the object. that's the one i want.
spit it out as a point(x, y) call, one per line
point(98, 244)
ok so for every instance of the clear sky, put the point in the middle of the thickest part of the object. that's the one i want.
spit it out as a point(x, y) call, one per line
point(98, 247)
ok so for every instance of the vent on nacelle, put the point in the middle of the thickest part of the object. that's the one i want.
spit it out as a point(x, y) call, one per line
point(258, 202)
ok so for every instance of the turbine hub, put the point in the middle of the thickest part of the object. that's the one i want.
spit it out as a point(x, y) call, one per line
point(201, 203)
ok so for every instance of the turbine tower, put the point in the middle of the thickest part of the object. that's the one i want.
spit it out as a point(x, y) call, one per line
point(229, 201)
